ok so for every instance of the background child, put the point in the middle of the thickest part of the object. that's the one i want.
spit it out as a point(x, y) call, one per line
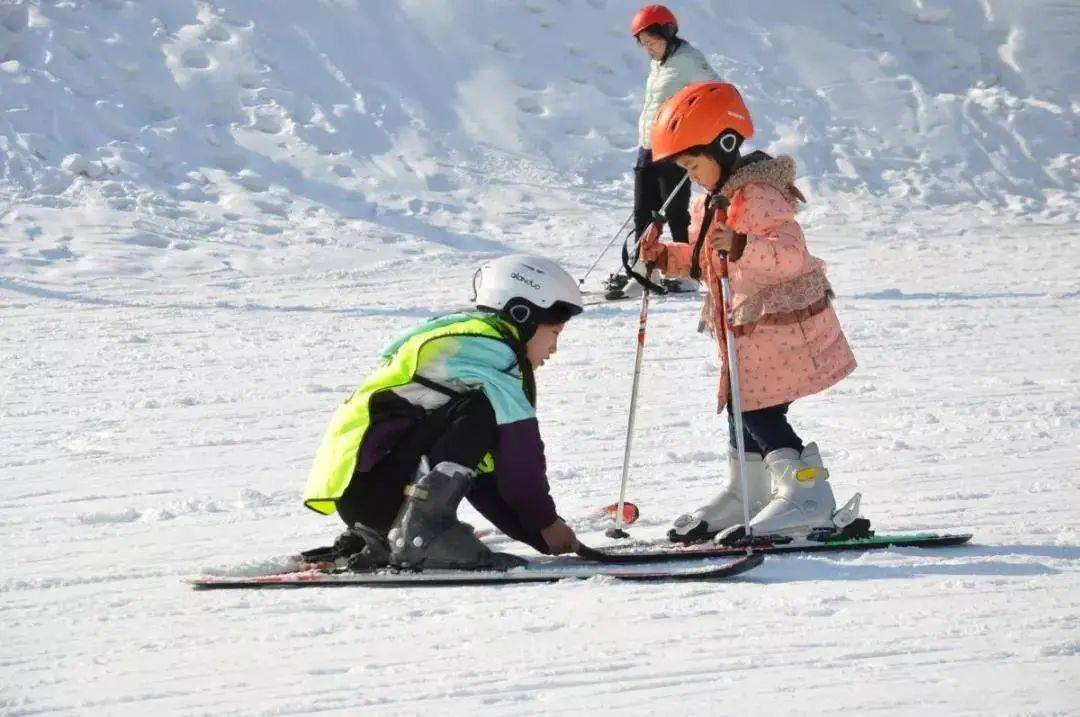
point(673, 64)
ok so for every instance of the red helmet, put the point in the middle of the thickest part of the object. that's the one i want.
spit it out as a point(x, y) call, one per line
point(698, 114)
point(652, 15)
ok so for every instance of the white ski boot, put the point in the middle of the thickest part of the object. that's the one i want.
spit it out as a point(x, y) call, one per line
point(726, 509)
point(803, 500)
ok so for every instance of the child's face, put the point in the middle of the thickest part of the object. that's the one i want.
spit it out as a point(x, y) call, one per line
point(543, 344)
point(655, 45)
point(704, 170)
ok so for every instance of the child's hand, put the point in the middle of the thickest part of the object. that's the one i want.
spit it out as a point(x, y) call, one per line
point(729, 242)
point(721, 239)
point(560, 538)
point(651, 248)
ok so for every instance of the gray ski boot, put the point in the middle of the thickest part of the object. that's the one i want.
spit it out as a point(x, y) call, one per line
point(427, 533)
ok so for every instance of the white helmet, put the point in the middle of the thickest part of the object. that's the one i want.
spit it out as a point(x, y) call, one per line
point(528, 290)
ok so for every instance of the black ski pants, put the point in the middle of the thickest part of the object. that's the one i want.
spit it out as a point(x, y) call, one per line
point(653, 182)
point(765, 430)
point(462, 431)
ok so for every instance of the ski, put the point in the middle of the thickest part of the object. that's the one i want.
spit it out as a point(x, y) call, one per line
point(541, 570)
point(780, 546)
point(597, 298)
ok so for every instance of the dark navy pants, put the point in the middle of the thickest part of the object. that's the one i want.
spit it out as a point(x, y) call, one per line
point(765, 430)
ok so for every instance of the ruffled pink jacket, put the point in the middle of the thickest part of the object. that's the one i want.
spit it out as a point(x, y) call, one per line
point(778, 363)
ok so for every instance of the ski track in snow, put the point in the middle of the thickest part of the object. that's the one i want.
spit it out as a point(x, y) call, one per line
point(214, 214)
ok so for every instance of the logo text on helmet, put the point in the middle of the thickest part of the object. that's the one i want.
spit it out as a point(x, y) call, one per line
point(524, 280)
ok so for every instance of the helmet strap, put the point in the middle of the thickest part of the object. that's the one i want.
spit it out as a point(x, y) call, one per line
point(706, 222)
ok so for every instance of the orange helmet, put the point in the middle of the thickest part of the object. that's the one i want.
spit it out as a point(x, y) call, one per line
point(697, 115)
point(651, 15)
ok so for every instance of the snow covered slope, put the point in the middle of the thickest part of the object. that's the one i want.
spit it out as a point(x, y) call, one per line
point(212, 215)
point(164, 130)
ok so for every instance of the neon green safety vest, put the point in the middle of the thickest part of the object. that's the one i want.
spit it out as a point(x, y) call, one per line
point(489, 365)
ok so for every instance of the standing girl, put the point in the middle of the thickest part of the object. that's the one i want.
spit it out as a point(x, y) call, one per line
point(789, 343)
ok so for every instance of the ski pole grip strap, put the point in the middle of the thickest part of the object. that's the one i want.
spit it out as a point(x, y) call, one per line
point(629, 266)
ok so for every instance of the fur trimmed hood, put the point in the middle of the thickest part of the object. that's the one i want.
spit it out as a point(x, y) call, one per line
point(778, 173)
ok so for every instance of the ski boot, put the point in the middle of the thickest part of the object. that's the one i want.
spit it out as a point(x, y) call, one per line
point(615, 286)
point(803, 500)
point(680, 286)
point(621, 286)
point(802, 506)
point(359, 548)
point(427, 533)
point(726, 509)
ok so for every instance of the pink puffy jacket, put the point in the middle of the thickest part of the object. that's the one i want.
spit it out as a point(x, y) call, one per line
point(788, 340)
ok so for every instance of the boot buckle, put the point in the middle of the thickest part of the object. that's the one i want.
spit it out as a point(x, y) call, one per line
point(414, 491)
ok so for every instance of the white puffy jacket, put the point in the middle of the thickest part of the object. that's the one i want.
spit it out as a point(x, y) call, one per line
point(683, 67)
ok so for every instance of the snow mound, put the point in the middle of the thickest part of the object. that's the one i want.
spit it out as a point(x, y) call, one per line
point(167, 129)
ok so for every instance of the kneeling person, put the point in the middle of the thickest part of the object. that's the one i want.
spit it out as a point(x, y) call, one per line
point(451, 415)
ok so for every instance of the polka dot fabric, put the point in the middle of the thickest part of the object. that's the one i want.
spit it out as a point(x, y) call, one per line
point(778, 363)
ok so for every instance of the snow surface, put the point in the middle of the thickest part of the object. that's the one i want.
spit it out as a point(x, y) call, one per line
point(214, 213)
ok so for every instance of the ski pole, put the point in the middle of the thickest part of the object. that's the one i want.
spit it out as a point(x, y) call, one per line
point(667, 201)
point(736, 399)
point(643, 318)
point(728, 316)
point(581, 281)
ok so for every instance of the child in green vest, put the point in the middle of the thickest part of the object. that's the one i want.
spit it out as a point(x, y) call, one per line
point(451, 415)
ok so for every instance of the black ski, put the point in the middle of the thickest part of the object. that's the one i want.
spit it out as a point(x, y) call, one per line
point(540, 570)
point(778, 546)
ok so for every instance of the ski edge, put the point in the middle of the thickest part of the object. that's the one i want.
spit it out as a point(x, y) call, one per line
point(673, 551)
point(322, 578)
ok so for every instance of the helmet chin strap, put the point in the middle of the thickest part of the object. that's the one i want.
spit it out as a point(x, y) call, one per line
point(726, 154)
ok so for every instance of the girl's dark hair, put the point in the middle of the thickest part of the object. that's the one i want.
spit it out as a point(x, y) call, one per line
point(667, 32)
